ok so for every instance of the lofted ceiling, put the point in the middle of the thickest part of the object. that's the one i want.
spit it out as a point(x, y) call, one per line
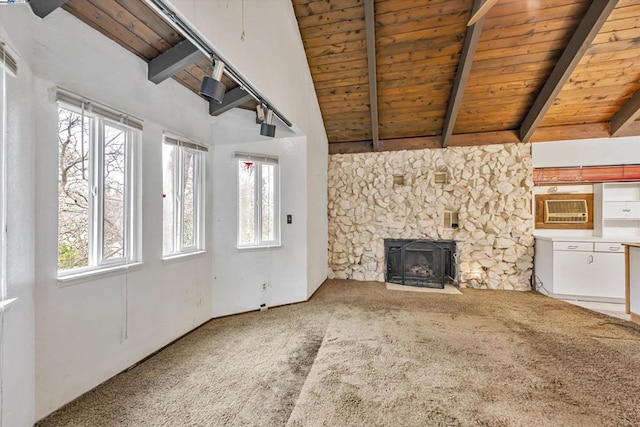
point(405, 74)
point(402, 74)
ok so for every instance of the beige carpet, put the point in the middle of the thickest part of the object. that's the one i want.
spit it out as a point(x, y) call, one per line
point(358, 354)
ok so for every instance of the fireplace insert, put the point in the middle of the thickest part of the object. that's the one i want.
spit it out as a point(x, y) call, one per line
point(424, 263)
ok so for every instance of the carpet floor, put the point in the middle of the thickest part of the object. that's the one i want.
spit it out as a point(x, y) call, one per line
point(358, 354)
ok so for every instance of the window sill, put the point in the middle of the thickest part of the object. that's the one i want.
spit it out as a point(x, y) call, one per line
point(5, 304)
point(88, 276)
point(258, 248)
point(185, 256)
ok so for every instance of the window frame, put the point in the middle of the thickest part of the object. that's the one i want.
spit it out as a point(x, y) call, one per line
point(258, 161)
point(181, 146)
point(95, 210)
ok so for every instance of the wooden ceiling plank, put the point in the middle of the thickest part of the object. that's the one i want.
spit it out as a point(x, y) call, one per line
point(320, 7)
point(370, 32)
point(133, 23)
point(522, 49)
point(497, 65)
point(405, 21)
point(332, 28)
point(172, 60)
point(334, 49)
point(626, 115)
point(568, 12)
point(462, 74)
point(334, 39)
point(519, 30)
point(334, 16)
point(561, 133)
point(151, 19)
point(337, 58)
point(102, 22)
point(43, 8)
point(587, 29)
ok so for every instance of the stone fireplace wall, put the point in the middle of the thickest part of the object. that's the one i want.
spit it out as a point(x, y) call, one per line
point(373, 196)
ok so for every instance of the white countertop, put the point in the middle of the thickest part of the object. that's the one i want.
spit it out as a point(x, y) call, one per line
point(614, 239)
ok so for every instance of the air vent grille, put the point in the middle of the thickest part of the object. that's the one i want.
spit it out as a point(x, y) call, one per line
point(565, 211)
point(440, 178)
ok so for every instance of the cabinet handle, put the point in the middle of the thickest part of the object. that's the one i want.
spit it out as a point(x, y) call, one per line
point(572, 247)
point(626, 210)
point(614, 248)
point(590, 260)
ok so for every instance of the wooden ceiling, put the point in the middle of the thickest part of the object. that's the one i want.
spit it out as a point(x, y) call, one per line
point(418, 77)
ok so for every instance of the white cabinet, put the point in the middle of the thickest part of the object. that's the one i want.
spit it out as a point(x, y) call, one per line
point(616, 209)
point(621, 210)
point(581, 269)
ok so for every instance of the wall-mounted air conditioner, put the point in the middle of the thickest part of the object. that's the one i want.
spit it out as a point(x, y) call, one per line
point(572, 211)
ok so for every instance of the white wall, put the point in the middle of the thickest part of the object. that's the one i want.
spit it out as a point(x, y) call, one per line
point(272, 58)
point(18, 327)
point(240, 273)
point(587, 152)
point(88, 332)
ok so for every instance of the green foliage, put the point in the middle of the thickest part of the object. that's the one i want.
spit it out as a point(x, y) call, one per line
point(68, 257)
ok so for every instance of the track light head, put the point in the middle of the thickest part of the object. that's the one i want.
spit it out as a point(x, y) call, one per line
point(212, 88)
point(266, 128)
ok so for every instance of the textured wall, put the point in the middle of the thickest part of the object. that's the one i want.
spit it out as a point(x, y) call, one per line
point(490, 186)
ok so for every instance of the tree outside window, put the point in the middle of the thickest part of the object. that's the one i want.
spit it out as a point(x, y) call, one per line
point(95, 224)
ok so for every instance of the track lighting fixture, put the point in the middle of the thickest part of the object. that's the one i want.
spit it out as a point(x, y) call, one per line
point(268, 129)
point(212, 88)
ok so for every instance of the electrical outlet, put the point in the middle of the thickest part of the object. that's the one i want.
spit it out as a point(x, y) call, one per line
point(265, 286)
point(263, 307)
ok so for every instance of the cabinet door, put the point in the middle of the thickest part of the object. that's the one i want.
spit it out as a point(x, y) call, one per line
point(615, 210)
point(608, 278)
point(571, 272)
point(633, 210)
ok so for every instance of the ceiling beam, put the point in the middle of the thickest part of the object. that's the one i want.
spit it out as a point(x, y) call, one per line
point(44, 7)
point(232, 99)
point(370, 30)
point(626, 115)
point(462, 74)
point(350, 147)
point(174, 59)
point(585, 33)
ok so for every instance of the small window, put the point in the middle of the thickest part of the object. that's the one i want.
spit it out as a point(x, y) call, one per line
point(258, 201)
point(96, 190)
point(183, 164)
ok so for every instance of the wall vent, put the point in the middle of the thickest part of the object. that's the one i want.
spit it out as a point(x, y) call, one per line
point(440, 177)
point(450, 219)
point(565, 211)
point(398, 179)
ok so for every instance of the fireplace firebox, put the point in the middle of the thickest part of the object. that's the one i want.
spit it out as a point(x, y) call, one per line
point(424, 263)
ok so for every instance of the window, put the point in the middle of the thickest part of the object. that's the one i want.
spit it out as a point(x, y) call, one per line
point(258, 201)
point(97, 177)
point(183, 175)
point(8, 68)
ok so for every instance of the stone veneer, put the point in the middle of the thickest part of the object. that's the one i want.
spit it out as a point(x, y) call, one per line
point(490, 187)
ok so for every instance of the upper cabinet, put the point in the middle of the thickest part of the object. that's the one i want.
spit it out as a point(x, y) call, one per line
point(617, 209)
